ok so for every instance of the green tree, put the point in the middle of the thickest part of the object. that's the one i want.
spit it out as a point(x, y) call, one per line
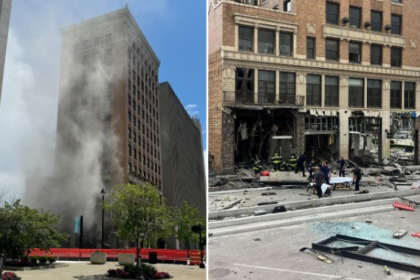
point(140, 214)
point(186, 217)
point(24, 228)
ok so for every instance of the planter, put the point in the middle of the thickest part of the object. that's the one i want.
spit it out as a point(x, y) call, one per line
point(98, 258)
point(125, 259)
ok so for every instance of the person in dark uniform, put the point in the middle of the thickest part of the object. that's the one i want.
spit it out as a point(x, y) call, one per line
point(311, 167)
point(319, 180)
point(342, 167)
point(300, 164)
point(326, 170)
point(357, 176)
point(276, 160)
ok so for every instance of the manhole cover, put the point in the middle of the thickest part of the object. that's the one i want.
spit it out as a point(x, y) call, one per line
point(219, 272)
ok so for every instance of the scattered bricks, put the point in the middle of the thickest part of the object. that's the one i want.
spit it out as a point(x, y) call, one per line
point(399, 233)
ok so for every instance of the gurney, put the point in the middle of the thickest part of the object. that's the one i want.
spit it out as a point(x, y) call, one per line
point(324, 188)
point(343, 183)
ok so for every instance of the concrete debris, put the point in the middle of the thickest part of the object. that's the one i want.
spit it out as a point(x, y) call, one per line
point(268, 193)
point(259, 212)
point(399, 233)
point(387, 271)
point(368, 221)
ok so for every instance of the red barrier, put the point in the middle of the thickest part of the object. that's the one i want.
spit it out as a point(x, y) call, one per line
point(164, 255)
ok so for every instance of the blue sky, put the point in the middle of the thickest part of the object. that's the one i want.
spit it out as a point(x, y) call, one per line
point(28, 109)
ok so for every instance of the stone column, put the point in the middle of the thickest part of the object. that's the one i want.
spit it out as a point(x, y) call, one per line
point(256, 86)
point(228, 144)
point(299, 141)
point(255, 47)
point(344, 115)
point(386, 118)
point(277, 42)
point(301, 85)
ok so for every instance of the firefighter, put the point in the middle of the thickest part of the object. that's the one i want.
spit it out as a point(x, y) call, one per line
point(283, 165)
point(257, 167)
point(293, 162)
point(276, 160)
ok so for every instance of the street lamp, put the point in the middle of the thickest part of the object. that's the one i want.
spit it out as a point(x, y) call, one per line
point(197, 229)
point(103, 192)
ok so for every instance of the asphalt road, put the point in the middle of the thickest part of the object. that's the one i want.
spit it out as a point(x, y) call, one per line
point(274, 253)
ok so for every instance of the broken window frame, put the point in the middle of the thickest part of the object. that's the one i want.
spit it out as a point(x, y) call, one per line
point(316, 123)
point(244, 86)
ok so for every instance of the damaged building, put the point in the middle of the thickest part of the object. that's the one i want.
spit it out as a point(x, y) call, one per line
point(338, 78)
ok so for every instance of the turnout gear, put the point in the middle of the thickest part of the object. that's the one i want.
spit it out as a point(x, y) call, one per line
point(257, 167)
point(293, 161)
point(276, 160)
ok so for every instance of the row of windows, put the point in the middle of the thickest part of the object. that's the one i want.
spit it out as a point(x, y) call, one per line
point(355, 13)
point(287, 90)
point(146, 176)
point(332, 52)
point(87, 44)
point(266, 41)
point(136, 61)
point(147, 108)
point(135, 139)
point(152, 96)
point(146, 161)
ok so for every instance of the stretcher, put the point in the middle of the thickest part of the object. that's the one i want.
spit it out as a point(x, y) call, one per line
point(341, 183)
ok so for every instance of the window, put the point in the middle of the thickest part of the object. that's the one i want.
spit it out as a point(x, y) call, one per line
point(355, 52)
point(108, 38)
point(287, 87)
point(96, 41)
point(75, 47)
point(134, 137)
point(374, 93)
point(396, 57)
point(129, 100)
point(396, 1)
point(244, 85)
point(331, 51)
point(287, 6)
point(332, 13)
point(85, 44)
point(135, 153)
point(129, 133)
point(313, 90)
point(129, 150)
point(376, 55)
point(265, 41)
point(331, 91)
point(129, 116)
point(355, 16)
point(376, 20)
point(409, 95)
point(266, 86)
point(395, 95)
point(356, 95)
point(286, 44)
point(396, 24)
point(108, 53)
point(245, 38)
point(310, 47)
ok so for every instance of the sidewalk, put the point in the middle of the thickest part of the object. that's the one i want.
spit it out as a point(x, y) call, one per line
point(87, 271)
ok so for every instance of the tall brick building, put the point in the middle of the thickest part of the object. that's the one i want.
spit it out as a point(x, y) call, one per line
point(108, 125)
point(324, 77)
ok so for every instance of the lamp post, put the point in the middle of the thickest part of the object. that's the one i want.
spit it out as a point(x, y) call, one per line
point(103, 192)
point(197, 229)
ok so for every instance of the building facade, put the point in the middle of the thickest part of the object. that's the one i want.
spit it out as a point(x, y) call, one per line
point(5, 10)
point(182, 155)
point(324, 77)
point(108, 126)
